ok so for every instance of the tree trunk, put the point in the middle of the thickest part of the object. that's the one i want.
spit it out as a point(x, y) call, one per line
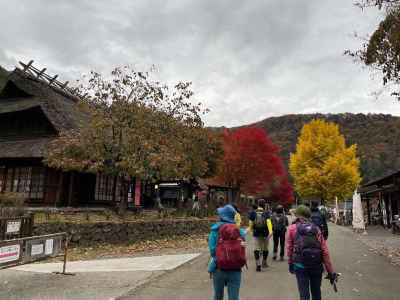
point(123, 202)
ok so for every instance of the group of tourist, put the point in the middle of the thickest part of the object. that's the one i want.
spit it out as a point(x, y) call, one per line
point(304, 240)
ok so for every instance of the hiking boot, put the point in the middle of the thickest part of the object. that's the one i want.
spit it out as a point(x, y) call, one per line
point(258, 269)
point(264, 264)
point(274, 257)
point(282, 258)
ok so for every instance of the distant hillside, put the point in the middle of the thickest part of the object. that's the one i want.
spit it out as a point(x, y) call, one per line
point(377, 137)
point(3, 76)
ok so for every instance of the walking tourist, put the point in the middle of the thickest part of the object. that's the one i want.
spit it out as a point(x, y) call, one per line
point(280, 223)
point(308, 254)
point(319, 219)
point(261, 227)
point(195, 206)
point(228, 254)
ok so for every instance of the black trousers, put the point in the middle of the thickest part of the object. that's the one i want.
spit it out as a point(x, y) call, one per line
point(279, 238)
point(309, 281)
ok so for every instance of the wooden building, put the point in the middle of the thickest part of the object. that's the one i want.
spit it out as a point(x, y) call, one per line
point(381, 199)
point(34, 109)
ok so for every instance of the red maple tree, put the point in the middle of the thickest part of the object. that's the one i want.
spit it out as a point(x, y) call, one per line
point(252, 163)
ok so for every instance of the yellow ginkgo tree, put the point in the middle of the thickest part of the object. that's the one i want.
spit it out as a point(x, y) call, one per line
point(323, 167)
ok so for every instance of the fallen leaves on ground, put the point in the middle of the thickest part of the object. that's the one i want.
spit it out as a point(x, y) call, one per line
point(149, 247)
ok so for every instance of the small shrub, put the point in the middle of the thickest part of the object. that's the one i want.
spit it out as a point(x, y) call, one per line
point(11, 205)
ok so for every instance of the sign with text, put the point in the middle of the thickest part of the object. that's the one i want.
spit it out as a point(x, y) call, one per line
point(13, 226)
point(10, 253)
point(37, 249)
point(49, 247)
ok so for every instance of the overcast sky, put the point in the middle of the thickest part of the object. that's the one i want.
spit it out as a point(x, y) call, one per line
point(248, 60)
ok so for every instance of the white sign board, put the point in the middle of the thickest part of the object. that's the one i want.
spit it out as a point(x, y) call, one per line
point(37, 249)
point(13, 226)
point(9, 253)
point(49, 247)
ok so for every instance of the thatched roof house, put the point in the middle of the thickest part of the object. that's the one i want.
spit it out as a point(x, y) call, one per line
point(24, 95)
point(33, 112)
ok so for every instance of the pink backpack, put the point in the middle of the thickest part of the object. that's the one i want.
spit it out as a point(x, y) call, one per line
point(231, 252)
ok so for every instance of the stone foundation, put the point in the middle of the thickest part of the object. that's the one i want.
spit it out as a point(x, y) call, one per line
point(87, 234)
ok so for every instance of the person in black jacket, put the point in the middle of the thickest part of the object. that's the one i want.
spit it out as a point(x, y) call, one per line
point(319, 219)
point(280, 223)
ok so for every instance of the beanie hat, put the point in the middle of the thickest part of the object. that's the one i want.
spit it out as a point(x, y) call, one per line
point(303, 211)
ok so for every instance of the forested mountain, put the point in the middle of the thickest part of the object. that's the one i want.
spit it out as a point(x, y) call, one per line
point(377, 137)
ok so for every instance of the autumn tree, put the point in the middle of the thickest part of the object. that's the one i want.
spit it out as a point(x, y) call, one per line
point(323, 166)
point(381, 51)
point(139, 128)
point(282, 192)
point(251, 163)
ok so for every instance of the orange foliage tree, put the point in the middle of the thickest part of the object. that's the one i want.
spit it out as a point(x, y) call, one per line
point(252, 164)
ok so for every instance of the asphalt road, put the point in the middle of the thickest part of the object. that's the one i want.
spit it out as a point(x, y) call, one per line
point(365, 275)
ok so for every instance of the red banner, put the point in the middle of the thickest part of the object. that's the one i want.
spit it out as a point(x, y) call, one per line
point(138, 189)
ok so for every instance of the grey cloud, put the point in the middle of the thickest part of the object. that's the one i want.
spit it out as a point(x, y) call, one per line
point(247, 59)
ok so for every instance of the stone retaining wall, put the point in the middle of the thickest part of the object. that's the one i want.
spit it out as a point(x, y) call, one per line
point(106, 232)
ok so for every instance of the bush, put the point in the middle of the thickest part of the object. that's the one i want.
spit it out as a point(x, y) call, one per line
point(11, 205)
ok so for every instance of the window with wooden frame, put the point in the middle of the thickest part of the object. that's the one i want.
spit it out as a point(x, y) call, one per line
point(22, 181)
point(27, 181)
point(119, 190)
point(104, 188)
point(2, 178)
point(37, 183)
point(19, 180)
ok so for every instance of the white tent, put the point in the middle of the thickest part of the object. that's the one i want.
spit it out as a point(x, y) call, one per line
point(358, 213)
point(337, 211)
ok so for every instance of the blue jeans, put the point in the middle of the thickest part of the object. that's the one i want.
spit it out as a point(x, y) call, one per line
point(232, 280)
point(309, 280)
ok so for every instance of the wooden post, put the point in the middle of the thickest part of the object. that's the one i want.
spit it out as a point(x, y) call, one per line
point(71, 188)
point(65, 255)
point(114, 189)
point(368, 212)
point(64, 270)
point(3, 186)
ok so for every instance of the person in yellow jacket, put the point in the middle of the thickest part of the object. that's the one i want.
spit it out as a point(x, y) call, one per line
point(261, 226)
point(238, 217)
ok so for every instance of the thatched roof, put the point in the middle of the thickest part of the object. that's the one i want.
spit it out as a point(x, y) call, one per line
point(24, 92)
point(34, 148)
point(3, 77)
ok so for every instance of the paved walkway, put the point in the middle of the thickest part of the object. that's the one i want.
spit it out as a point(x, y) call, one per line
point(365, 275)
point(150, 263)
point(98, 280)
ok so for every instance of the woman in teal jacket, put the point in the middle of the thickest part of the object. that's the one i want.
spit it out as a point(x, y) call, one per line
point(231, 278)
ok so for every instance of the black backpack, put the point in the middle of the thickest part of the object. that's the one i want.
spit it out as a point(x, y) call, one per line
point(279, 223)
point(260, 227)
point(318, 220)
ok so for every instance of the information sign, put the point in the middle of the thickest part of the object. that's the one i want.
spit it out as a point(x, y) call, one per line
point(10, 253)
point(13, 226)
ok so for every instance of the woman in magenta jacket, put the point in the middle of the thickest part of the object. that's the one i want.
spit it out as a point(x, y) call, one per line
point(309, 275)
